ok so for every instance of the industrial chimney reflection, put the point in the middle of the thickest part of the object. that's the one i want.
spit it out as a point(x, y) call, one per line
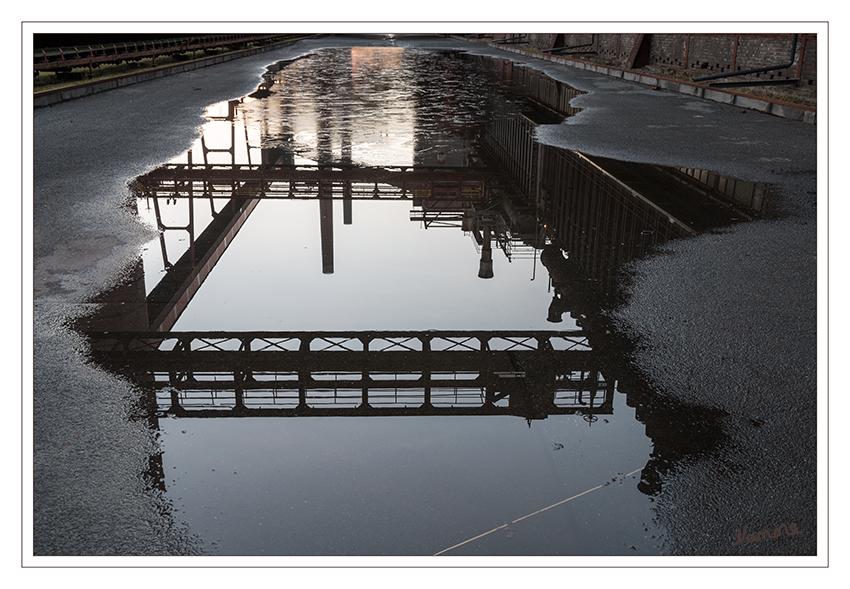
point(584, 217)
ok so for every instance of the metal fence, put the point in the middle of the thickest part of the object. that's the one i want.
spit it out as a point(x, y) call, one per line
point(598, 219)
point(93, 55)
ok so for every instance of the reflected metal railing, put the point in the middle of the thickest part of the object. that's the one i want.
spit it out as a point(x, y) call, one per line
point(284, 374)
point(304, 181)
point(531, 374)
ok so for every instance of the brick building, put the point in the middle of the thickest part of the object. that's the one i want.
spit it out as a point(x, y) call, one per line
point(686, 56)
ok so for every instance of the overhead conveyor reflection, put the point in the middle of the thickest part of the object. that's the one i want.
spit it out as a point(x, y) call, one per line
point(285, 374)
point(581, 217)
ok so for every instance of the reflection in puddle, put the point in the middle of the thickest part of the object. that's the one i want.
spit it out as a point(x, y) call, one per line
point(376, 233)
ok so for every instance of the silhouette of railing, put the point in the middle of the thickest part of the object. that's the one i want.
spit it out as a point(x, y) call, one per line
point(299, 181)
point(211, 374)
point(94, 54)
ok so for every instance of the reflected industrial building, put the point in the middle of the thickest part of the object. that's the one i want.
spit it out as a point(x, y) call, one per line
point(582, 217)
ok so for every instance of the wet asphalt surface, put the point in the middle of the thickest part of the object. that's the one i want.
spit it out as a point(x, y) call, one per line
point(724, 321)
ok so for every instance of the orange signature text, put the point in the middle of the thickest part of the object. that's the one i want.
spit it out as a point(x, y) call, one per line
point(766, 534)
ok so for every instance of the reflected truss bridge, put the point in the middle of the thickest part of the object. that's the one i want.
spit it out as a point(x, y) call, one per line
point(532, 374)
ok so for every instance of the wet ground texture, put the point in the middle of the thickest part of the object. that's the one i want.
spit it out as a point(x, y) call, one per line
point(704, 354)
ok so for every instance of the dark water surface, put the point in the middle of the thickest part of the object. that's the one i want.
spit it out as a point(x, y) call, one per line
point(379, 311)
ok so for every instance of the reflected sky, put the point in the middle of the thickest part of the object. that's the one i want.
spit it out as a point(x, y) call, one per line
point(389, 273)
point(411, 486)
point(373, 107)
point(389, 485)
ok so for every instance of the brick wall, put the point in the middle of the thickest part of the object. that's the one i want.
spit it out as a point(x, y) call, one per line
point(711, 53)
point(729, 53)
point(703, 54)
point(541, 40)
point(669, 50)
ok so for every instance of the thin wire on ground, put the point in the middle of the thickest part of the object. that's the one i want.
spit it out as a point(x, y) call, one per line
point(531, 514)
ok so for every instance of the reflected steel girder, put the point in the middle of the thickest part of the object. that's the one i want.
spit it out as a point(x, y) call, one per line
point(348, 373)
point(372, 361)
point(172, 294)
point(284, 172)
point(604, 408)
point(454, 340)
point(175, 180)
point(248, 381)
point(339, 351)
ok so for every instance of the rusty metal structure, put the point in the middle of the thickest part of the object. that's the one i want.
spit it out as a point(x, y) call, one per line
point(752, 57)
point(92, 56)
point(293, 181)
point(529, 374)
point(605, 212)
point(585, 217)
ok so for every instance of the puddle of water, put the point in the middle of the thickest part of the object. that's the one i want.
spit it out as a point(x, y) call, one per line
point(410, 486)
point(388, 273)
point(376, 233)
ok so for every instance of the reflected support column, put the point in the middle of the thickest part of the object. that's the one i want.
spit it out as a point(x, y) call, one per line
point(346, 204)
point(326, 225)
point(346, 159)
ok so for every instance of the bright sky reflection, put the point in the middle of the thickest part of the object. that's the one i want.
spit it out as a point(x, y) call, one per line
point(373, 107)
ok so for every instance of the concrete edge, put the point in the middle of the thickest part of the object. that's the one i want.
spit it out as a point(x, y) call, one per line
point(787, 110)
point(55, 96)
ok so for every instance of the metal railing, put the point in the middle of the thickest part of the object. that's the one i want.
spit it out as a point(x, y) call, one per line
point(59, 58)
